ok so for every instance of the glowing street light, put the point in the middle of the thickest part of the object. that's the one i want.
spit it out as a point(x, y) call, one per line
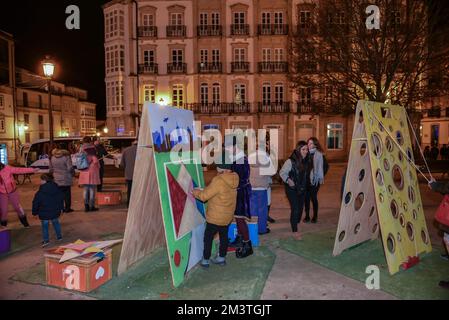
point(49, 68)
point(106, 130)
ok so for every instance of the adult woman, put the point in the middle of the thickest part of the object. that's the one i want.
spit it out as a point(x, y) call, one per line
point(62, 169)
point(90, 178)
point(296, 175)
point(9, 193)
point(316, 178)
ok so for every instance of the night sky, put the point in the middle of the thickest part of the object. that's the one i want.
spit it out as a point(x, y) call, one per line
point(39, 29)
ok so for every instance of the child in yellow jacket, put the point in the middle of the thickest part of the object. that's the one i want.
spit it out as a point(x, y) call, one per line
point(221, 195)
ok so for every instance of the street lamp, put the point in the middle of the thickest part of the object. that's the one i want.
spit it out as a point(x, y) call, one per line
point(106, 130)
point(49, 69)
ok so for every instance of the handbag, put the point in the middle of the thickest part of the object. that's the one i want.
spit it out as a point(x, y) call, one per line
point(442, 214)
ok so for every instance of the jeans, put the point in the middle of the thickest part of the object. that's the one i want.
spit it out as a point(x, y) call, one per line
point(89, 195)
point(130, 186)
point(312, 195)
point(67, 191)
point(209, 234)
point(297, 206)
point(56, 226)
point(259, 207)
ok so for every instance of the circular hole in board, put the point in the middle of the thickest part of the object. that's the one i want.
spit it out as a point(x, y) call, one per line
point(415, 215)
point(386, 165)
point(379, 177)
point(377, 145)
point(405, 206)
point(391, 244)
point(372, 212)
point(402, 220)
point(342, 235)
point(400, 156)
point(348, 198)
point(424, 236)
point(394, 209)
point(358, 203)
point(398, 177)
point(411, 194)
point(363, 149)
point(375, 228)
point(357, 228)
point(399, 237)
point(381, 197)
point(361, 117)
point(361, 175)
point(410, 231)
point(399, 137)
point(410, 155)
point(390, 190)
point(389, 144)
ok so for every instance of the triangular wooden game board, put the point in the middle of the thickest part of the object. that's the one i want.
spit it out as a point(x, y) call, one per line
point(381, 191)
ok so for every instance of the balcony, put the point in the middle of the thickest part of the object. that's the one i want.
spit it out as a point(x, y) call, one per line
point(240, 29)
point(244, 107)
point(272, 29)
point(273, 67)
point(240, 66)
point(210, 108)
point(306, 108)
point(210, 67)
point(274, 107)
point(209, 31)
point(176, 31)
point(151, 68)
point(148, 32)
point(177, 67)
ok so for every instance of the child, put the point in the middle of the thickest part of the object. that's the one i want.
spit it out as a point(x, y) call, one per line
point(48, 203)
point(222, 197)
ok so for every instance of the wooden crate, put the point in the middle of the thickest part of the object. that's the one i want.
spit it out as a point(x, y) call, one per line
point(109, 198)
point(81, 274)
point(5, 240)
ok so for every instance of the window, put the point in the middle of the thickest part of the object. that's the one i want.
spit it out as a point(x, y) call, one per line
point(278, 18)
point(266, 94)
point(149, 93)
point(176, 19)
point(266, 18)
point(266, 55)
point(239, 54)
point(239, 18)
point(148, 57)
point(340, 17)
point(41, 119)
point(2, 124)
point(204, 55)
point(278, 54)
point(216, 56)
point(305, 18)
point(216, 93)
point(26, 118)
point(178, 95)
point(115, 94)
point(279, 93)
point(334, 136)
point(240, 93)
point(74, 123)
point(306, 95)
point(115, 24)
point(203, 19)
point(2, 101)
point(25, 99)
point(27, 137)
point(40, 101)
point(215, 19)
point(204, 94)
point(148, 20)
point(115, 58)
point(177, 56)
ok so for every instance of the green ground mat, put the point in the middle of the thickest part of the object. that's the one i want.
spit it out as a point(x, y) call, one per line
point(419, 282)
point(151, 279)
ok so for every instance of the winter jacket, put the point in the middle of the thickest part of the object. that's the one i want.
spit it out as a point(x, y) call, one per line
point(440, 187)
point(128, 161)
point(317, 172)
point(91, 176)
point(291, 170)
point(48, 203)
point(62, 168)
point(7, 182)
point(221, 195)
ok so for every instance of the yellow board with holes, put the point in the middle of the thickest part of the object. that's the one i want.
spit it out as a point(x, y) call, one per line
point(392, 189)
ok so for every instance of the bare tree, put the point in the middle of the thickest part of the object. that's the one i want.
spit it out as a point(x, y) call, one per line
point(334, 52)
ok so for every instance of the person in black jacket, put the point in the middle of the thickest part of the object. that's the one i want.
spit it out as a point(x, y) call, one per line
point(48, 203)
point(296, 175)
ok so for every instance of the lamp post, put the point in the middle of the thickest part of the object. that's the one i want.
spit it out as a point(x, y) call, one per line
point(49, 69)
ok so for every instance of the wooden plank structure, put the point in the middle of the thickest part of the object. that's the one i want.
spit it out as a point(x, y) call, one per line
point(144, 226)
point(381, 190)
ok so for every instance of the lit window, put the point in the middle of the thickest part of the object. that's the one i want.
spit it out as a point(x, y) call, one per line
point(335, 136)
point(178, 95)
point(150, 93)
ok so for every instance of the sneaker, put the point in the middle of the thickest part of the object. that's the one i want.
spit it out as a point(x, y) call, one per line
point(69, 210)
point(45, 244)
point(271, 220)
point(59, 239)
point(314, 220)
point(93, 209)
point(219, 261)
point(205, 263)
point(306, 220)
point(444, 257)
point(86, 208)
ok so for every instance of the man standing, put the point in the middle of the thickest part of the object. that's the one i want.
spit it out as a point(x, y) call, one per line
point(127, 163)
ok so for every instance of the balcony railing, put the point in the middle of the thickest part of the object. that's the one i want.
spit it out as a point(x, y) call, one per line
point(240, 29)
point(176, 31)
point(210, 67)
point(305, 108)
point(177, 67)
point(210, 108)
point(240, 66)
point(151, 68)
point(272, 29)
point(273, 67)
point(274, 107)
point(148, 32)
point(209, 31)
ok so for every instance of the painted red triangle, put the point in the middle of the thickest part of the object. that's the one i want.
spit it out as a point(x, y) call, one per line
point(178, 200)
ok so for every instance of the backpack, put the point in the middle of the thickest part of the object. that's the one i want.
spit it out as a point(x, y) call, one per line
point(325, 165)
point(81, 161)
